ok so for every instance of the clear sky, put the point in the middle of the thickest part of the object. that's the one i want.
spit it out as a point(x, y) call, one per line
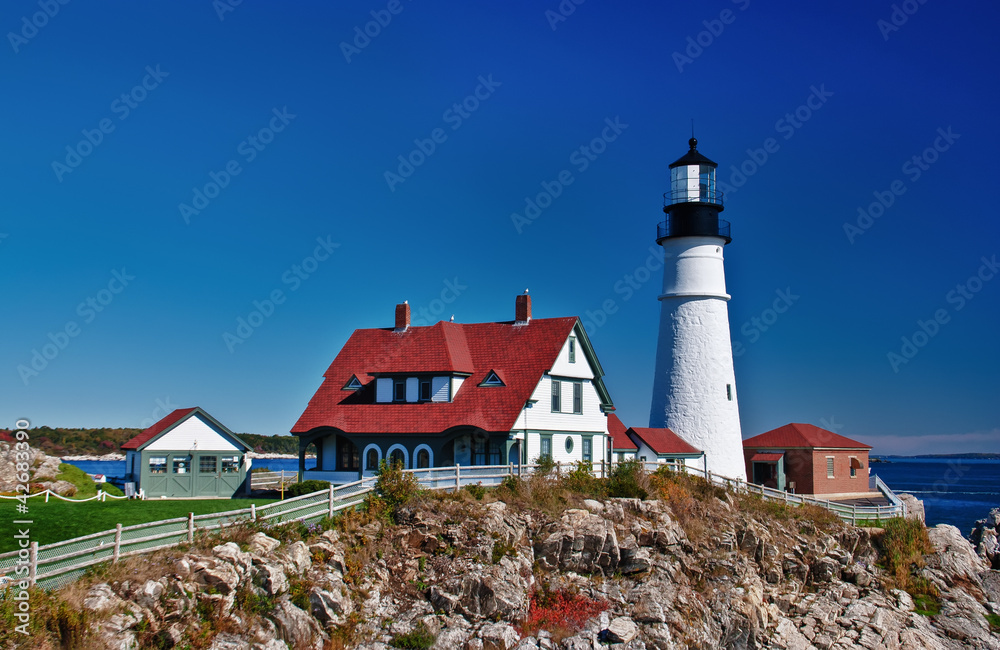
point(168, 165)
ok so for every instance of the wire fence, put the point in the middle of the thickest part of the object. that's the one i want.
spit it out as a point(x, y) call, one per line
point(54, 565)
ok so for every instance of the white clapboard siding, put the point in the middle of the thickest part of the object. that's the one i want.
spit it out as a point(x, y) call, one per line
point(193, 433)
point(540, 416)
point(579, 370)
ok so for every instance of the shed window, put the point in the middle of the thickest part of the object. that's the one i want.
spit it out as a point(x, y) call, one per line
point(158, 465)
point(230, 464)
point(182, 465)
point(829, 466)
point(208, 464)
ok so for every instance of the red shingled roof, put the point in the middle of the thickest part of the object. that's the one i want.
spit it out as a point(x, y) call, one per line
point(663, 441)
point(619, 439)
point(170, 420)
point(803, 435)
point(520, 354)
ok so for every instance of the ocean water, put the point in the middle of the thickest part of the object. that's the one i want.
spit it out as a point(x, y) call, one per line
point(955, 491)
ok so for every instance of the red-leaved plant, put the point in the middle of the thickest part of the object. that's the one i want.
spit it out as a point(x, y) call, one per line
point(560, 612)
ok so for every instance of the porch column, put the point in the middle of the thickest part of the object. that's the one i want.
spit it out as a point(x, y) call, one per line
point(302, 458)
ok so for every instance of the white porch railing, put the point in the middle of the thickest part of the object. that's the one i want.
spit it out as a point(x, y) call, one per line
point(54, 565)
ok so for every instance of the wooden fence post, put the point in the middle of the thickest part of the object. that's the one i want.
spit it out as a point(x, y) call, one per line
point(603, 473)
point(118, 542)
point(458, 478)
point(46, 495)
point(253, 512)
point(33, 569)
point(333, 495)
point(190, 528)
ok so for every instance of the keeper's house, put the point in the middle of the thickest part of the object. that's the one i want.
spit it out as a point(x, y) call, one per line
point(806, 459)
point(187, 454)
point(457, 394)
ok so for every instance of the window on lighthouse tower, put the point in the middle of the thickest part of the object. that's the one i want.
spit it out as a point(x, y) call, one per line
point(706, 184)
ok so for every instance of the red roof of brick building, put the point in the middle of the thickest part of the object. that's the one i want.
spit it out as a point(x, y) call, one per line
point(619, 438)
point(807, 436)
point(663, 441)
point(519, 354)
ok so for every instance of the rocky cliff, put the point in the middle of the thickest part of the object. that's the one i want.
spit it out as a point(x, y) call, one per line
point(42, 470)
point(695, 568)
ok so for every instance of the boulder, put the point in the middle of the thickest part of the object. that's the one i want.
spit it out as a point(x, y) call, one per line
point(329, 607)
point(297, 557)
point(101, 597)
point(914, 507)
point(271, 578)
point(499, 636)
point(295, 627)
point(581, 541)
point(261, 544)
point(620, 630)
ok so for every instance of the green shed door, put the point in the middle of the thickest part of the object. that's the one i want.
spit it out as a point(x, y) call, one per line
point(207, 475)
point(231, 474)
point(180, 482)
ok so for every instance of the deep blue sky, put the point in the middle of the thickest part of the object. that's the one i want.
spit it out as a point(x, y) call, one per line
point(823, 361)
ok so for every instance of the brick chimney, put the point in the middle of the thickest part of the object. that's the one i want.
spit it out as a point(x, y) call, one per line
point(403, 316)
point(522, 309)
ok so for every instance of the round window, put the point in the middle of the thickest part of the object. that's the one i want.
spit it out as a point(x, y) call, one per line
point(569, 445)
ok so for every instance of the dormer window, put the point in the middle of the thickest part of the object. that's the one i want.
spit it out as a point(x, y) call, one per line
point(492, 379)
point(353, 384)
point(399, 390)
point(425, 389)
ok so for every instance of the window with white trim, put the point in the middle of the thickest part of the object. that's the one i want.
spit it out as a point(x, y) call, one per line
point(556, 396)
point(572, 349)
point(577, 397)
point(829, 466)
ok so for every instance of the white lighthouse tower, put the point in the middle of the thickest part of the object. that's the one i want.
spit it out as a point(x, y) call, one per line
point(694, 388)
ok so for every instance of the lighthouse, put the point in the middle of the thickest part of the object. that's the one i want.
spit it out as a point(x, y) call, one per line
point(694, 388)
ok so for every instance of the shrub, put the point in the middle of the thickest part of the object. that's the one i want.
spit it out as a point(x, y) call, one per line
point(994, 621)
point(582, 480)
point(560, 612)
point(307, 487)
point(395, 486)
point(902, 547)
point(419, 638)
point(544, 465)
point(477, 491)
point(627, 479)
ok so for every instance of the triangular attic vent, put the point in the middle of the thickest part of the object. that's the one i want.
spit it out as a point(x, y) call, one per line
point(492, 379)
point(353, 384)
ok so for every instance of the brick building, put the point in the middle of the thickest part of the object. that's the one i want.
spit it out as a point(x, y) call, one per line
point(806, 459)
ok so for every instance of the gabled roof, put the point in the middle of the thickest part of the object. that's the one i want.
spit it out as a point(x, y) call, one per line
point(173, 419)
point(797, 435)
point(520, 355)
point(662, 441)
point(619, 439)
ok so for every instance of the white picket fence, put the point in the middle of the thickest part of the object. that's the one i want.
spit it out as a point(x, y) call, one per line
point(54, 565)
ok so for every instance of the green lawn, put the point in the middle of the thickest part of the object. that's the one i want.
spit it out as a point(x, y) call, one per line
point(58, 520)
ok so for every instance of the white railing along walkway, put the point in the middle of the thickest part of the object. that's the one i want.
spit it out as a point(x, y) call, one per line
point(54, 565)
point(100, 496)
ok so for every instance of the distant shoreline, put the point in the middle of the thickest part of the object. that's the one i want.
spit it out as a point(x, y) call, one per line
point(968, 456)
